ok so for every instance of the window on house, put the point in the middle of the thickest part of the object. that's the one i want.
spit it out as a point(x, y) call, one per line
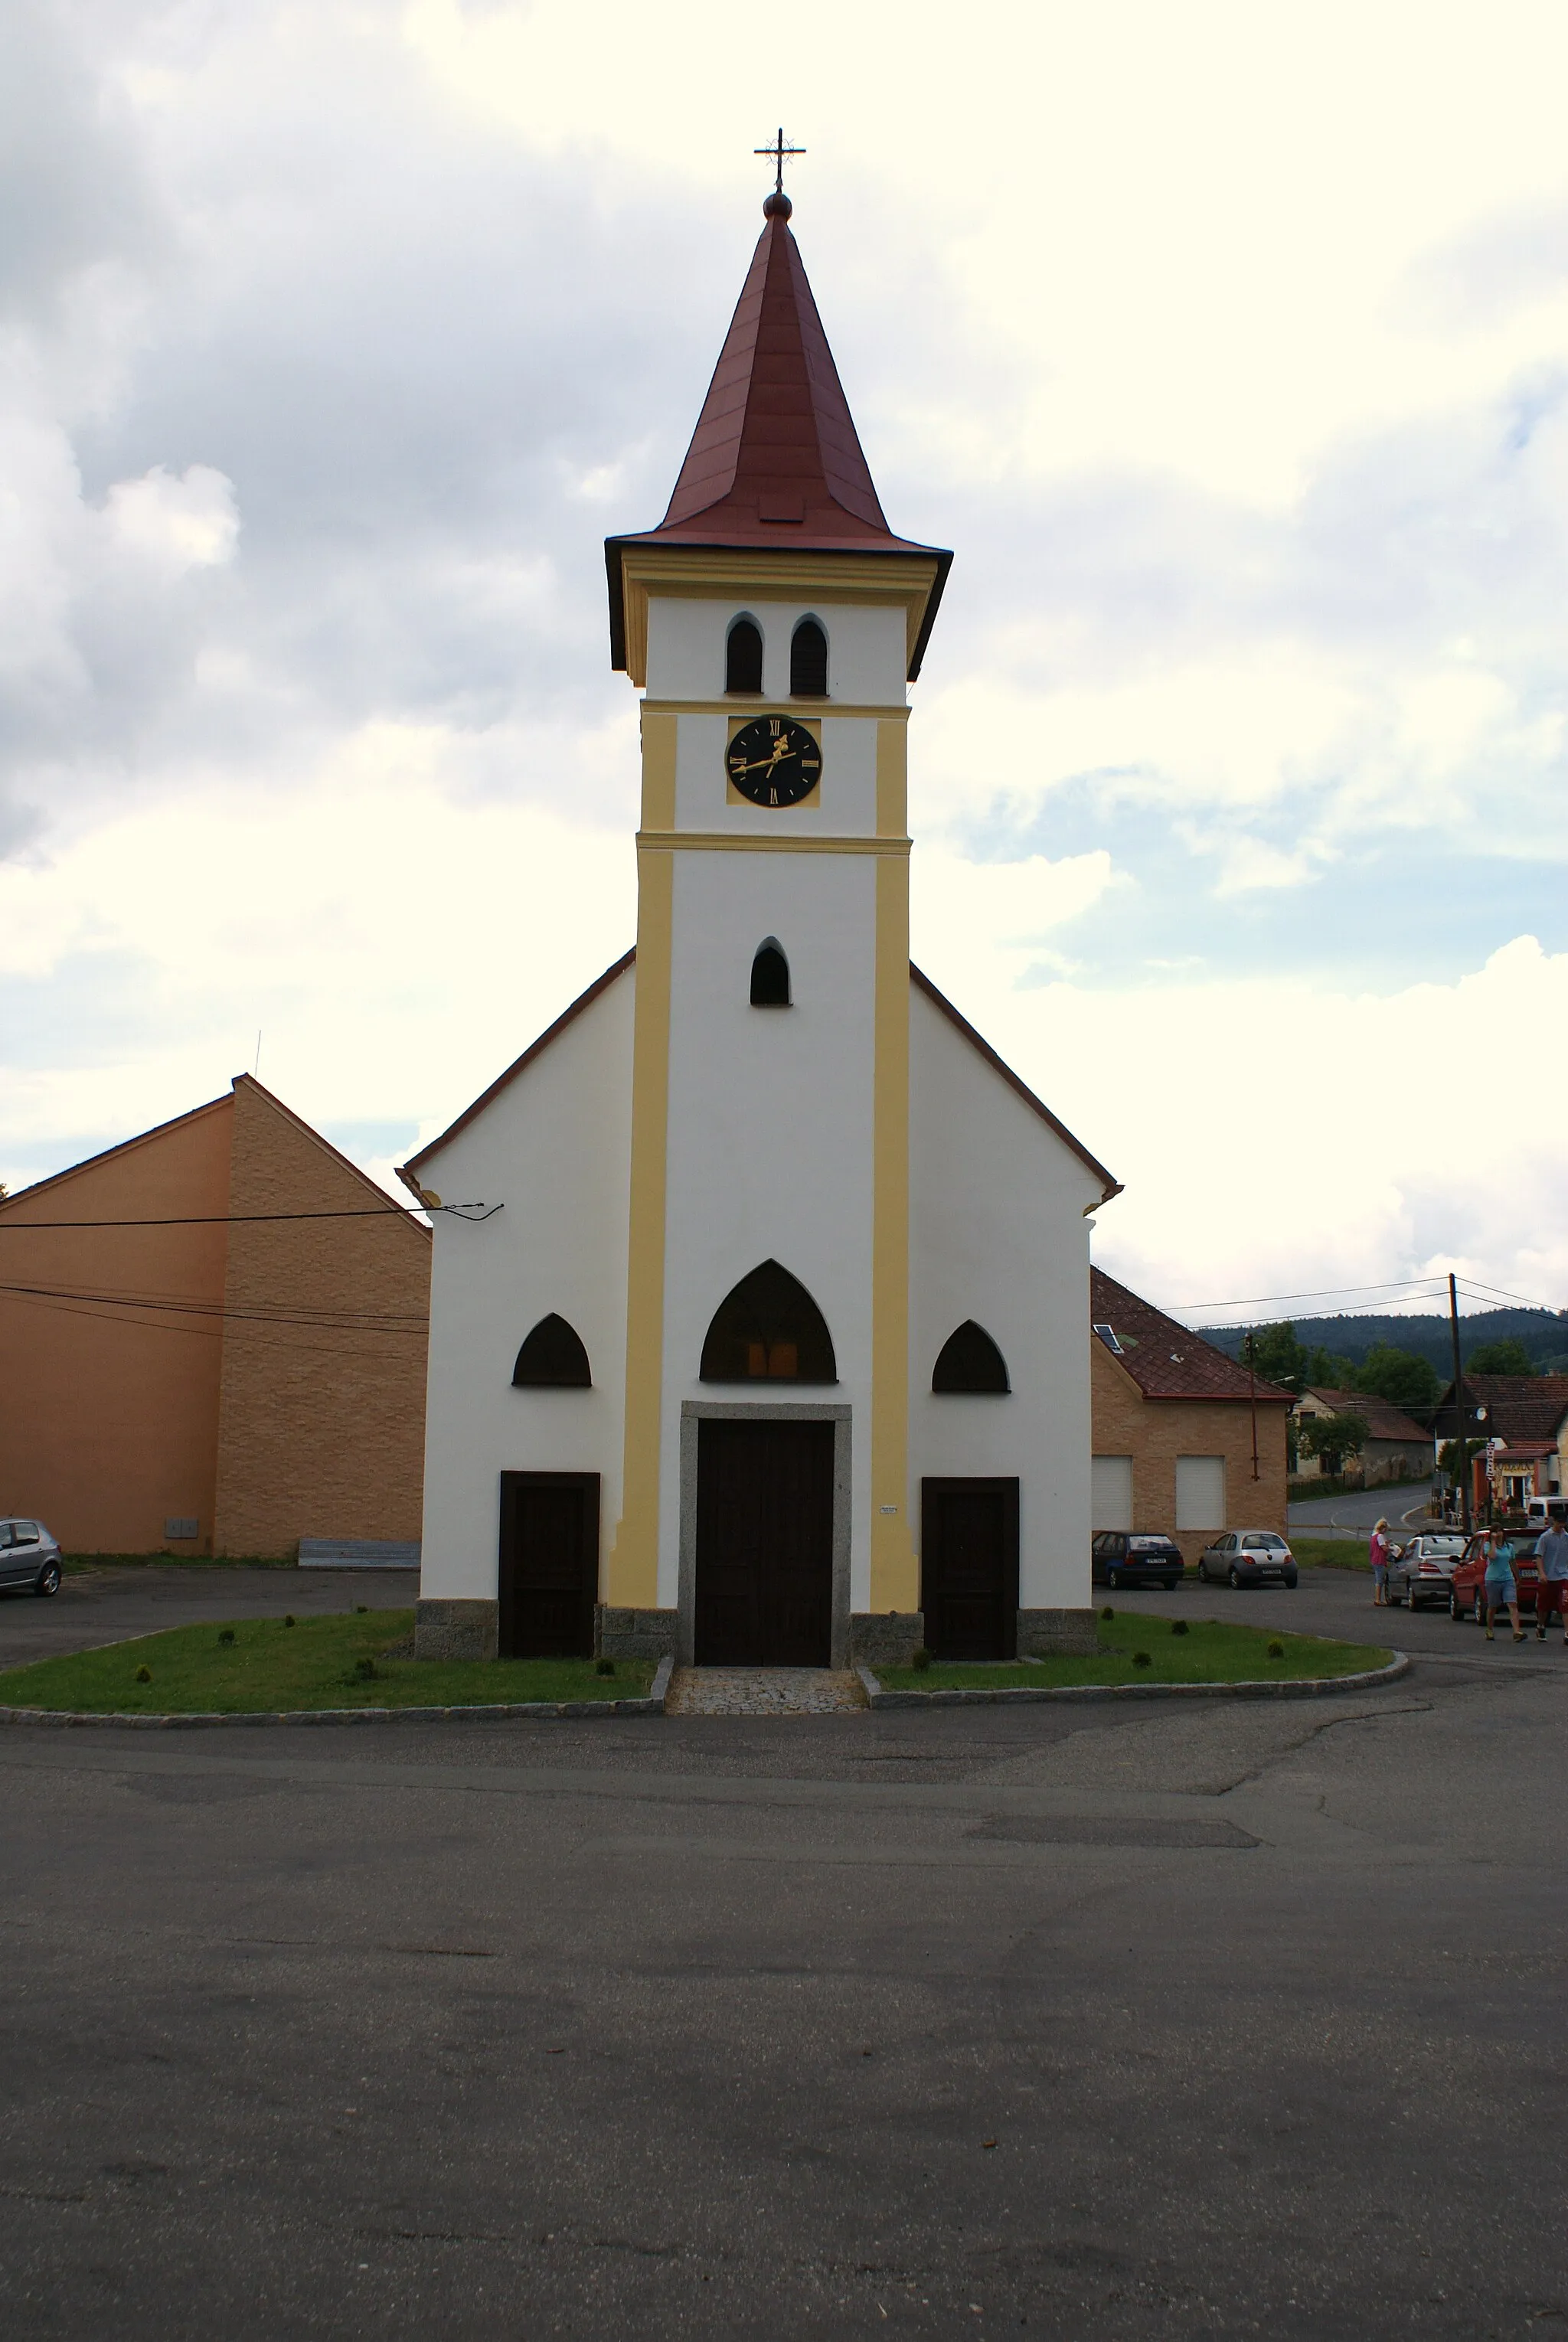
point(552, 1359)
point(970, 1361)
point(1200, 1492)
point(743, 656)
point(808, 661)
point(770, 975)
point(1111, 1492)
point(768, 1328)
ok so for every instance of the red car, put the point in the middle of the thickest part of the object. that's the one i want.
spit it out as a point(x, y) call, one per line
point(1465, 1597)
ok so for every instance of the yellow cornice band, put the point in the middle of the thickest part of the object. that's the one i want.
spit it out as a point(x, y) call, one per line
point(807, 711)
point(727, 841)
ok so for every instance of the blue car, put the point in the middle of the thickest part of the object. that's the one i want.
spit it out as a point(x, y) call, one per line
point(1122, 1558)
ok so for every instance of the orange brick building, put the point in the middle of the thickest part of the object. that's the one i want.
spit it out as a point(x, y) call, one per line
point(1174, 1425)
point(241, 1376)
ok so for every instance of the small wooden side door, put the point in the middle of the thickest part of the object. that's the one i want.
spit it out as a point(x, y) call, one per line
point(549, 1575)
point(969, 1568)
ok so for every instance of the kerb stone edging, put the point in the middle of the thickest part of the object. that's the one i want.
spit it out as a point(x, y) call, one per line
point(1300, 1688)
point(495, 1710)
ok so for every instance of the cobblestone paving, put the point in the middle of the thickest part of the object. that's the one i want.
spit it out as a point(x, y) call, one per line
point(763, 1691)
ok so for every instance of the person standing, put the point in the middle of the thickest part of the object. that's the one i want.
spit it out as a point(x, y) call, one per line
point(1377, 1553)
point(1551, 1580)
point(1498, 1586)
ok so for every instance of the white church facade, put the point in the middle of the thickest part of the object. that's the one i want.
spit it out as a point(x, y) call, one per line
point(776, 1351)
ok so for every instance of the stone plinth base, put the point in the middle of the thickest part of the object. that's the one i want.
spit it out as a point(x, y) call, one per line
point(633, 1634)
point(456, 1630)
point(885, 1639)
point(1040, 1631)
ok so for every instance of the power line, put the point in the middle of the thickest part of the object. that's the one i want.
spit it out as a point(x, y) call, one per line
point(340, 1321)
point(389, 1211)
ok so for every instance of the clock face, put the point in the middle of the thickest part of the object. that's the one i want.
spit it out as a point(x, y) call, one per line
point(773, 761)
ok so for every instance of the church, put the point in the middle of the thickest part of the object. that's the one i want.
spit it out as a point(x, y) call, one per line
point(776, 1351)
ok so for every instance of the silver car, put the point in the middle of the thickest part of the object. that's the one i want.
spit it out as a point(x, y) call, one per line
point(29, 1557)
point(1420, 1571)
point(1248, 1557)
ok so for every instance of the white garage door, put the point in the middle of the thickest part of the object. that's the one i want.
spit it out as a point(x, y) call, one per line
point(1200, 1492)
point(1110, 1493)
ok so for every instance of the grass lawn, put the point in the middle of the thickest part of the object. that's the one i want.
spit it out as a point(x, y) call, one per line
point(312, 1664)
point(1329, 1553)
point(1209, 1652)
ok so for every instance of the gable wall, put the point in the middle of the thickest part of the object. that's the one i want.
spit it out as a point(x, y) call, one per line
point(997, 1234)
point(321, 1424)
point(553, 1148)
point(1154, 1432)
point(108, 1413)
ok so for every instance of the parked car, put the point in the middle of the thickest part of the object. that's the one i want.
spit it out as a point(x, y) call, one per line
point(1420, 1571)
point(1465, 1598)
point(29, 1557)
point(1248, 1557)
point(1122, 1558)
point(1540, 1511)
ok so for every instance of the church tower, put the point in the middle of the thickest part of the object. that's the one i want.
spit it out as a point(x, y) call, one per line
point(770, 1345)
point(775, 620)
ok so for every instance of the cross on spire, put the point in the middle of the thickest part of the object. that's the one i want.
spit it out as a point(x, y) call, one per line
point(779, 151)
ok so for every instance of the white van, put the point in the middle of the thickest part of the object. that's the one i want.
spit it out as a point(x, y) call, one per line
point(1539, 1510)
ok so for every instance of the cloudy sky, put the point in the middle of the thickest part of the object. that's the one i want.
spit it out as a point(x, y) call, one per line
point(1228, 346)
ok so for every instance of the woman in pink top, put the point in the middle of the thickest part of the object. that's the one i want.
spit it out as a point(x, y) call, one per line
point(1377, 1552)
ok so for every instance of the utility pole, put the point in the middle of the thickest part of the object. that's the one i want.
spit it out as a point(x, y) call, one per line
point(1462, 1445)
point(1253, 1392)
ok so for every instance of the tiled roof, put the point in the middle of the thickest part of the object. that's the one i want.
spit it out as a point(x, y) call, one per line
point(1518, 1407)
point(1382, 1419)
point(1164, 1359)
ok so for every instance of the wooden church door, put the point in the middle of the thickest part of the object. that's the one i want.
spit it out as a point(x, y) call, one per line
point(764, 1543)
point(969, 1568)
point(549, 1577)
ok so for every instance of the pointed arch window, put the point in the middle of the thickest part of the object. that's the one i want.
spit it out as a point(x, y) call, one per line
point(770, 975)
point(552, 1359)
point(768, 1329)
point(969, 1362)
point(808, 661)
point(743, 656)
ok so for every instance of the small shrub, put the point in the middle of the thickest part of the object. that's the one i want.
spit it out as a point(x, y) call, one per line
point(921, 1660)
point(1107, 1612)
point(226, 1636)
point(288, 1620)
point(604, 1666)
point(1276, 1650)
point(144, 1674)
point(1178, 1626)
point(366, 1670)
point(362, 1609)
point(1140, 1658)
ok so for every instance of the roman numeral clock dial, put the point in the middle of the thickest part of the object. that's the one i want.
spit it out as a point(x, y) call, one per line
point(774, 762)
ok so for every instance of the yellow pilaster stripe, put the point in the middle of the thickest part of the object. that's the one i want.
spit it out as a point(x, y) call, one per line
point(892, 778)
point(895, 1576)
point(633, 1577)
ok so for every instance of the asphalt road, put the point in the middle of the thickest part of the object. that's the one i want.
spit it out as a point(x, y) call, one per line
point(1359, 1511)
point(1203, 2020)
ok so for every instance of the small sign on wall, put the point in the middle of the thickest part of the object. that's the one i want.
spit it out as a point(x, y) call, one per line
point(180, 1527)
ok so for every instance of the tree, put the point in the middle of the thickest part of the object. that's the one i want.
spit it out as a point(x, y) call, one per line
point(1401, 1376)
point(1507, 1357)
point(1448, 1458)
point(1328, 1370)
point(1278, 1357)
point(1333, 1437)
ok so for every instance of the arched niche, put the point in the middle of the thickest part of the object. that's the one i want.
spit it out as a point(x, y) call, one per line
point(808, 661)
point(768, 1328)
point(970, 1364)
point(552, 1359)
point(743, 656)
point(770, 975)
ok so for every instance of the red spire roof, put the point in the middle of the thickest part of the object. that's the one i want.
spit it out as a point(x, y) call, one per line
point(775, 462)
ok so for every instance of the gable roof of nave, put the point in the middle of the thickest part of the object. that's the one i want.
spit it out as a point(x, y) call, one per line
point(408, 1172)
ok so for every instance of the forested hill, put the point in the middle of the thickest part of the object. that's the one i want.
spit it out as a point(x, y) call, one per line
point(1543, 1332)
